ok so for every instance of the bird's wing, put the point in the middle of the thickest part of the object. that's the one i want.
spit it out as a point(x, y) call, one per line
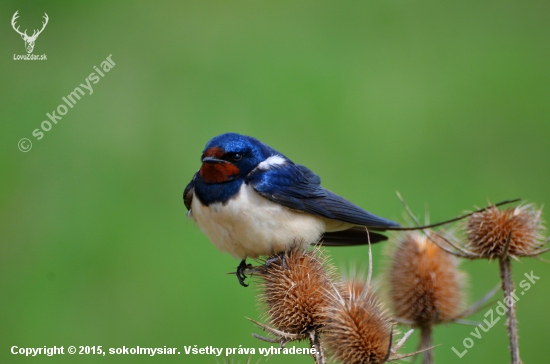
point(298, 188)
point(188, 193)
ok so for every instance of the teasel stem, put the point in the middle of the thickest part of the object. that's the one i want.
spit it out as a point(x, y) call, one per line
point(426, 344)
point(508, 288)
point(315, 342)
point(282, 338)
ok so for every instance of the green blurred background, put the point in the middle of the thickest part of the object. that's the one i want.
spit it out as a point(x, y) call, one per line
point(448, 103)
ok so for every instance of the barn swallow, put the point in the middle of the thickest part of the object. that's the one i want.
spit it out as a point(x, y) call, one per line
point(250, 200)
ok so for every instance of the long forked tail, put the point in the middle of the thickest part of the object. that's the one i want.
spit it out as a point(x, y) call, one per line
point(354, 236)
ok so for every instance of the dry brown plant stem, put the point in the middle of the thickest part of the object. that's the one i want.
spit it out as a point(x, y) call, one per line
point(426, 344)
point(511, 322)
point(282, 338)
point(319, 355)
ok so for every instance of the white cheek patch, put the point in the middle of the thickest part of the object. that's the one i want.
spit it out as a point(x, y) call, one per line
point(272, 162)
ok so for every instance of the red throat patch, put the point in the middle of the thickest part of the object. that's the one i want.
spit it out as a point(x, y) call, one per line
point(218, 172)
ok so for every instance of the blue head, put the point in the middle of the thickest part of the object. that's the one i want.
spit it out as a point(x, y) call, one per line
point(231, 156)
point(226, 160)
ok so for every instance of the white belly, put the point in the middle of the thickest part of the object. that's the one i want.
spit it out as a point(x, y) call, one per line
point(250, 225)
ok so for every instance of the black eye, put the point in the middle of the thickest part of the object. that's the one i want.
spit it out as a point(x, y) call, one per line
point(237, 157)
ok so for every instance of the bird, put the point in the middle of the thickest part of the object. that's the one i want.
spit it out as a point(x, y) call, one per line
point(251, 200)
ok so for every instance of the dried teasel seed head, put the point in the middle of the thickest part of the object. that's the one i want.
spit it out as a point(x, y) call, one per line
point(296, 295)
point(425, 283)
point(488, 231)
point(353, 281)
point(358, 328)
point(354, 287)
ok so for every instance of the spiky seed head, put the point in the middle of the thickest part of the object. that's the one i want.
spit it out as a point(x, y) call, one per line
point(296, 295)
point(425, 283)
point(488, 231)
point(357, 329)
point(354, 286)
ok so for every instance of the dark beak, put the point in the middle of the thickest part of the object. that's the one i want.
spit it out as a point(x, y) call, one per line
point(212, 160)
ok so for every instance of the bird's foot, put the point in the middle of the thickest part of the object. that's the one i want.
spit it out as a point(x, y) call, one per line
point(240, 272)
point(281, 256)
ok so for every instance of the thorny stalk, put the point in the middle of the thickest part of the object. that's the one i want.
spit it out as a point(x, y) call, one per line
point(508, 288)
point(426, 344)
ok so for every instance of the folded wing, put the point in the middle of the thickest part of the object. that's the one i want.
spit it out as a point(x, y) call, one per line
point(298, 188)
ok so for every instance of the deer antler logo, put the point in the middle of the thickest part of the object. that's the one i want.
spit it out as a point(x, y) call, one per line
point(29, 41)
